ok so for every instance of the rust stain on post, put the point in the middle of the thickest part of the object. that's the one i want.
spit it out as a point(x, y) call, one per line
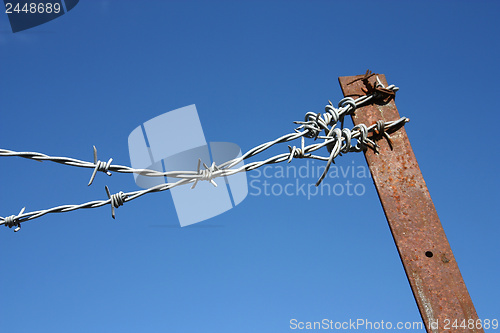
point(430, 266)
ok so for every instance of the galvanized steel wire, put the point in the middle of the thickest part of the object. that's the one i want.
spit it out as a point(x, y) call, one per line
point(336, 140)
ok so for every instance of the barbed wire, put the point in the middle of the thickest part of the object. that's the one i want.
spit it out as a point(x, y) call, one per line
point(313, 125)
point(336, 140)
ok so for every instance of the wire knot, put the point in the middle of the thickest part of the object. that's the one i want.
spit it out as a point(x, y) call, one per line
point(13, 221)
point(332, 113)
point(117, 200)
point(206, 174)
point(379, 133)
point(99, 166)
point(298, 152)
point(346, 103)
point(313, 124)
point(386, 94)
point(347, 136)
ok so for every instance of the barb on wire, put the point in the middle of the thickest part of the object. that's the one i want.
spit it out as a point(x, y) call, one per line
point(206, 174)
point(311, 128)
point(377, 89)
point(336, 140)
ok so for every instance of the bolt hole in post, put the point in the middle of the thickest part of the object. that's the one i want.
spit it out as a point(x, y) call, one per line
point(429, 254)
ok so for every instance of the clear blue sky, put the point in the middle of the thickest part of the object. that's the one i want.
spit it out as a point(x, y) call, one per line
point(93, 75)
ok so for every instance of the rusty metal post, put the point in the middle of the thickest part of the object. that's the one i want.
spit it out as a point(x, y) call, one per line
point(430, 266)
